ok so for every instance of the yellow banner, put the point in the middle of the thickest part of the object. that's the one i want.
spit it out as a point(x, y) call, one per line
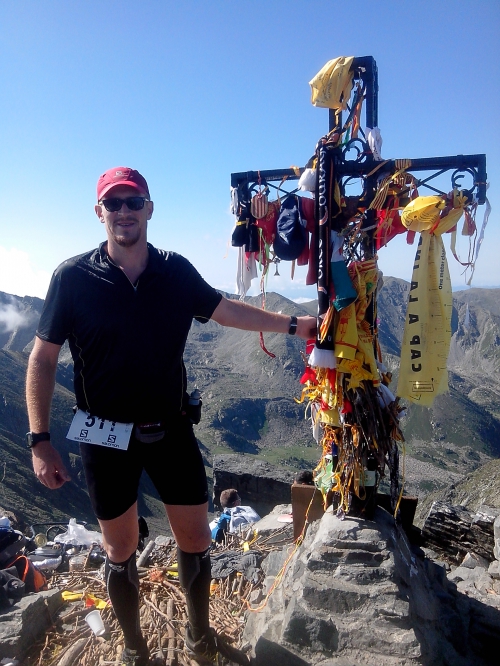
point(426, 340)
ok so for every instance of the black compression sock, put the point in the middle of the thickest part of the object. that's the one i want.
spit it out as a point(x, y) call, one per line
point(122, 581)
point(195, 576)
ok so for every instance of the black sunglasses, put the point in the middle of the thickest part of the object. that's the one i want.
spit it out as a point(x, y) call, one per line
point(114, 204)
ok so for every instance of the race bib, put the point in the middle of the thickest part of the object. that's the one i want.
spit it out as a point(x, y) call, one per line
point(93, 430)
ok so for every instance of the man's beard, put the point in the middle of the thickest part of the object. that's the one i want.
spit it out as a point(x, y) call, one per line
point(126, 241)
point(123, 238)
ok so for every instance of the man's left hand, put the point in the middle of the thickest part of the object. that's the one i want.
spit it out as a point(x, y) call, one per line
point(306, 327)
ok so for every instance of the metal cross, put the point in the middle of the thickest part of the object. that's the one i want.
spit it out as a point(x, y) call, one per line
point(352, 158)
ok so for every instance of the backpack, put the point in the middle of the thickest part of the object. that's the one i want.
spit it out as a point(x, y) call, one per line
point(220, 526)
point(11, 587)
point(242, 516)
point(12, 545)
point(32, 578)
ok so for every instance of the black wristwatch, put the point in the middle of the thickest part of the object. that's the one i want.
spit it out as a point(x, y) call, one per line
point(32, 438)
point(293, 325)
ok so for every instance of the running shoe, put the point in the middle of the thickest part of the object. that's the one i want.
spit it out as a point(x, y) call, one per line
point(133, 658)
point(138, 658)
point(210, 647)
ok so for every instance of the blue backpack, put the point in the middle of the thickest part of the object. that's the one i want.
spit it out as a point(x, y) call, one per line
point(221, 527)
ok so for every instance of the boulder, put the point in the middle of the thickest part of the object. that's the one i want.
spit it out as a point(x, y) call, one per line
point(356, 592)
point(456, 531)
point(274, 527)
point(494, 570)
point(26, 622)
point(496, 537)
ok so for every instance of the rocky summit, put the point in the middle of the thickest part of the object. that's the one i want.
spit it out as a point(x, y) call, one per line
point(350, 592)
point(356, 592)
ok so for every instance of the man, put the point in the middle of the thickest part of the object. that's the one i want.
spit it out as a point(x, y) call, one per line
point(304, 478)
point(234, 516)
point(126, 309)
point(229, 498)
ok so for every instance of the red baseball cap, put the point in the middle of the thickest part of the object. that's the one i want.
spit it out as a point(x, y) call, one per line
point(121, 176)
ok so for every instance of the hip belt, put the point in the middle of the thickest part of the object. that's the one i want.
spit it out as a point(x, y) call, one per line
point(147, 433)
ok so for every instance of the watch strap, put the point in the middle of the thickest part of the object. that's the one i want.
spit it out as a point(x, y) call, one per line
point(293, 325)
point(33, 438)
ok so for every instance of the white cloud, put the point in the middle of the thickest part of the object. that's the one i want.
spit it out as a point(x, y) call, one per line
point(19, 277)
point(11, 318)
point(302, 299)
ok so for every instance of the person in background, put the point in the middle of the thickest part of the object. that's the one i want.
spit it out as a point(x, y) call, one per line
point(234, 516)
point(229, 499)
point(304, 478)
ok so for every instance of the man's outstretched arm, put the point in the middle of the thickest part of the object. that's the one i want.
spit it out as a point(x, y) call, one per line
point(249, 318)
point(40, 382)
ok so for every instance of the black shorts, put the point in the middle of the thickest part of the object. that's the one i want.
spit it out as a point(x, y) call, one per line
point(174, 465)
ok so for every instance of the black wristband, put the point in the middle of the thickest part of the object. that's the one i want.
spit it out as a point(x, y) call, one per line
point(32, 438)
point(293, 325)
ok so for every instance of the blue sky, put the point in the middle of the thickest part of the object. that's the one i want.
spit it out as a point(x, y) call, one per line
point(188, 92)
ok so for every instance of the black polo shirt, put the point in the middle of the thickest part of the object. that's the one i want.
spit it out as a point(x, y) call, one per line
point(126, 340)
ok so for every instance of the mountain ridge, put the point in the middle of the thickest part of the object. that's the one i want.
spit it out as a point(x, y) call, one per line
point(249, 405)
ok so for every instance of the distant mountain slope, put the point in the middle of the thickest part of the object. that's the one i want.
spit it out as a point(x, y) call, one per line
point(19, 488)
point(248, 398)
point(392, 300)
point(475, 349)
